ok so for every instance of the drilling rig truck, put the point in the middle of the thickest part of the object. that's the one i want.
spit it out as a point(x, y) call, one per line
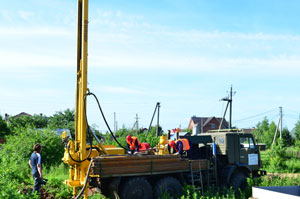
point(222, 158)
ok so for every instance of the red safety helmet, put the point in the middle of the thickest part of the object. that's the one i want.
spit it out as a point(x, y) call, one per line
point(129, 138)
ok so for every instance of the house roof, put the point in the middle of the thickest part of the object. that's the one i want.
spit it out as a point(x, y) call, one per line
point(205, 120)
point(22, 114)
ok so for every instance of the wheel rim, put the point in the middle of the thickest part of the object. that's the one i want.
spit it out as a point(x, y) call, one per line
point(137, 193)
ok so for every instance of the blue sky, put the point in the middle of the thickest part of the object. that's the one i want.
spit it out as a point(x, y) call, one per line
point(184, 54)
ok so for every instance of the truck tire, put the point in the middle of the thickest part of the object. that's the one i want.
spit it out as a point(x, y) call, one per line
point(136, 188)
point(169, 185)
point(238, 181)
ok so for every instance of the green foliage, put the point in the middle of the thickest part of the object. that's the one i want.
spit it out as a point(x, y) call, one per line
point(56, 175)
point(18, 148)
point(151, 139)
point(287, 139)
point(274, 181)
point(122, 133)
point(211, 193)
point(4, 130)
point(35, 121)
point(277, 158)
point(289, 163)
point(265, 131)
point(15, 172)
point(63, 119)
point(297, 130)
point(260, 130)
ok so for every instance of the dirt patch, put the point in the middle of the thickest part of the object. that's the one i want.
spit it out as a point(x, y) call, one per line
point(43, 194)
point(284, 175)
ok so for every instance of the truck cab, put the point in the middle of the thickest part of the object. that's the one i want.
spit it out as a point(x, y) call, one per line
point(237, 155)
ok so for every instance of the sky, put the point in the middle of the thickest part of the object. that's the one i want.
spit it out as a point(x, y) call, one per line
point(184, 54)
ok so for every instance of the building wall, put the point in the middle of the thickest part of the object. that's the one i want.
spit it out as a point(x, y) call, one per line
point(214, 122)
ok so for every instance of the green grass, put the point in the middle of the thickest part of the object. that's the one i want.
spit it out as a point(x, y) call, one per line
point(56, 189)
point(292, 164)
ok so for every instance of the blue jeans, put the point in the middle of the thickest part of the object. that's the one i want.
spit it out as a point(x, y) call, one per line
point(37, 183)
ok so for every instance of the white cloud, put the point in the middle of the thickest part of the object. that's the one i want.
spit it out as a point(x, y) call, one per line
point(277, 65)
point(25, 15)
point(11, 61)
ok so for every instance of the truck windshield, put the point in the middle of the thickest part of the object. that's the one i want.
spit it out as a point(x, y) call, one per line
point(247, 142)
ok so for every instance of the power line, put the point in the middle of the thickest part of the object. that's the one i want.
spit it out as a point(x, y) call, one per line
point(272, 110)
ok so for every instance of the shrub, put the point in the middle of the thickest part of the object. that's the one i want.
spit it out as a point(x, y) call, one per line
point(14, 169)
point(276, 159)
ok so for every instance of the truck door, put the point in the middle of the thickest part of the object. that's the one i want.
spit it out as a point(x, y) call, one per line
point(249, 153)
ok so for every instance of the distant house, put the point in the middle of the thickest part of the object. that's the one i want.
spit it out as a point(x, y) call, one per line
point(21, 115)
point(16, 116)
point(203, 124)
point(248, 130)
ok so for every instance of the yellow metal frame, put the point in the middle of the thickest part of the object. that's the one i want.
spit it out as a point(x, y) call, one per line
point(77, 149)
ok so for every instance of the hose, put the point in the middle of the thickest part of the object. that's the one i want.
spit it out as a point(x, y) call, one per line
point(108, 127)
point(88, 157)
point(87, 177)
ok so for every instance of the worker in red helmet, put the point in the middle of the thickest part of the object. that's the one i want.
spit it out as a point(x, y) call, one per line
point(134, 145)
point(180, 146)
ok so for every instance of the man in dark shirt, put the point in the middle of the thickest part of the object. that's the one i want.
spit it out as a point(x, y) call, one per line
point(35, 163)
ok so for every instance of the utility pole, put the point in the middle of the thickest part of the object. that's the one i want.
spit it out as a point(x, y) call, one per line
point(137, 123)
point(115, 126)
point(230, 110)
point(157, 128)
point(229, 102)
point(280, 109)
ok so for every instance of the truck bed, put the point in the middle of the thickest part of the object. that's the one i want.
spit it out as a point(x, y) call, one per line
point(132, 165)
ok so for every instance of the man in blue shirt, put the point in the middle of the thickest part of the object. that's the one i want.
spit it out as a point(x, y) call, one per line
point(35, 163)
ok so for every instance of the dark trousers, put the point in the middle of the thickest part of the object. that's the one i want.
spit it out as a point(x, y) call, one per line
point(37, 183)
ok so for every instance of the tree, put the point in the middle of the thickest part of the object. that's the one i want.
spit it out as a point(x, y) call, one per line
point(297, 130)
point(63, 119)
point(4, 130)
point(287, 139)
point(260, 130)
point(35, 121)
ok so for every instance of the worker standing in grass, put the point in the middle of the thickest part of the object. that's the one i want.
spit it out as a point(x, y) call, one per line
point(134, 145)
point(180, 146)
point(35, 163)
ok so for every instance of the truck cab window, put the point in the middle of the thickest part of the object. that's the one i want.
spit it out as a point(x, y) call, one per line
point(251, 143)
point(244, 142)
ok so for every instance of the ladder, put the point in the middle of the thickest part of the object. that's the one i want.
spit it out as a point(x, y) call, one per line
point(212, 173)
point(198, 176)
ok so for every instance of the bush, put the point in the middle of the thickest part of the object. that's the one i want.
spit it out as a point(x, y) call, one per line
point(35, 121)
point(15, 172)
point(4, 130)
point(19, 147)
point(276, 159)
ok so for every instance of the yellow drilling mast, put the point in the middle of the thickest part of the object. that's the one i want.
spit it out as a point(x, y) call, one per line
point(76, 153)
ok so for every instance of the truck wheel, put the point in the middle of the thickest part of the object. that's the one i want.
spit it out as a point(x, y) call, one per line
point(238, 181)
point(136, 188)
point(168, 185)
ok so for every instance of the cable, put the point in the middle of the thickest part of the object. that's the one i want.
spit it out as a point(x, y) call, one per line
point(87, 177)
point(255, 115)
point(87, 123)
point(88, 157)
point(89, 93)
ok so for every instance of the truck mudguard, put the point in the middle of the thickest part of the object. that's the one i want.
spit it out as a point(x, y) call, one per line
point(228, 170)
